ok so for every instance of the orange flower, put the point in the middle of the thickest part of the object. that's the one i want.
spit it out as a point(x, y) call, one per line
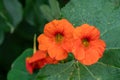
point(57, 39)
point(38, 61)
point(88, 47)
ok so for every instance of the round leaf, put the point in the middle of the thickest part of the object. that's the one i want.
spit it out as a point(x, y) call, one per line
point(18, 69)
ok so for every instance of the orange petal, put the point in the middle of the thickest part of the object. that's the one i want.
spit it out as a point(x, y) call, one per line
point(62, 26)
point(59, 26)
point(78, 50)
point(91, 31)
point(79, 53)
point(68, 35)
point(68, 45)
point(77, 33)
point(86, 30)
point(38, 56)
point(50, 28)
point(61, 55)
point(50, 60)
point(44, 42)
point(91, 57)
point(41, 63)
point(29, 67)
point(98, 45)
point(68, 28)
point(57, 52)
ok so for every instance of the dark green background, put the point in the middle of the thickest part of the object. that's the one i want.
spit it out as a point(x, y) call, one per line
point(26, 21)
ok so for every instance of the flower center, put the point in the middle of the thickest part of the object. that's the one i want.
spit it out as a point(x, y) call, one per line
point(58, 37)
point(85, 42)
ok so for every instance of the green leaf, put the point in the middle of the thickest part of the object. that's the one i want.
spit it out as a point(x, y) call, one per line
point(111, 57)
point(5, 25)
point(33, 14)
point(56, 72)
point(1, 36)
point(75, 71)
point(51, 12)
point(105, 15)
point(99, 71)
point(14, 9)
point(1, 5)
point(18, 69)
point(29, 11)
point(111, 37)
point(55, 9)
point(46, 10)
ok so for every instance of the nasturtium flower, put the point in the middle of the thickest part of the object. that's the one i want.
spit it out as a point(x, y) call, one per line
point(87, 47)
point(38, 61)
point(57, 39)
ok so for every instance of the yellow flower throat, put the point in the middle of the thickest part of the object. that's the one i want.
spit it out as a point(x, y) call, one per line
point(85, 42)
point(58, 37)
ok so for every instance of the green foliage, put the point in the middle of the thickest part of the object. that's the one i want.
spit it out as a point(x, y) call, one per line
point(72, 70)
point(75, 71)
point(56, 72)
point(18, 69)
point(51, 12)
point(112, 57)
point(1, 36)
point(19, 21)
point(33, 14)
point(104, 14)
point(14, 9)
point(10, 16)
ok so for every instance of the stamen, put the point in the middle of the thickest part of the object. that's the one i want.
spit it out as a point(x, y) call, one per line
point(58, 37)
point(85, 42)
